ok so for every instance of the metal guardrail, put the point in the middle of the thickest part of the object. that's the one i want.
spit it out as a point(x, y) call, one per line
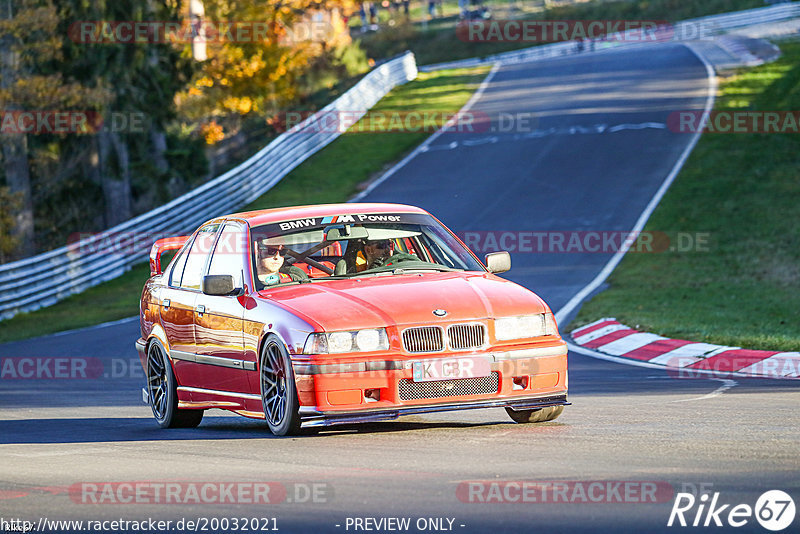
point(711, 25)
point(44, 279)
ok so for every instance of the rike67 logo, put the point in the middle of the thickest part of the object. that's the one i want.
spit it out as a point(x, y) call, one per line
point(774, 510)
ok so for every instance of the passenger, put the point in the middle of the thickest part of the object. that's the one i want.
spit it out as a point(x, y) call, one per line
point(271, 267)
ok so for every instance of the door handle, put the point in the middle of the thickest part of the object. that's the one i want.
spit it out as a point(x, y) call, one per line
point(166, 304)
point(200, 310)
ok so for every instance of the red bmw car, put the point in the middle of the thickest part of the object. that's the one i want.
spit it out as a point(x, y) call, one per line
point(321, 315)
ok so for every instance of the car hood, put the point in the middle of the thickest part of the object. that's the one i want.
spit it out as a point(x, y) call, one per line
point(375, 301)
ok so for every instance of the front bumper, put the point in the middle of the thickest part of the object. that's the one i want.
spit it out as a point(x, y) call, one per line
point(312, 418)
point(345, 391)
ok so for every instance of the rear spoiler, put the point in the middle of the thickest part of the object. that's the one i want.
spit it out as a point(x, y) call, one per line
point(160, 247)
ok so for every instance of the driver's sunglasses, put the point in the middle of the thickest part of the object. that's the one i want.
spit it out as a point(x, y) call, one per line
point(268, 252)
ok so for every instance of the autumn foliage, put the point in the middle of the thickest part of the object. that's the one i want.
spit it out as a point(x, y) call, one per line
point(164, 100)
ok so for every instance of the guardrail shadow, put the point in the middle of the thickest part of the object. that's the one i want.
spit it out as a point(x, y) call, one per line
point(127, 429)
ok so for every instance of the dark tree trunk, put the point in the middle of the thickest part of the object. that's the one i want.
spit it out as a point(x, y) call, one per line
point(116, 177)
point(159, 141)
point(15, 148)
point(18, 179)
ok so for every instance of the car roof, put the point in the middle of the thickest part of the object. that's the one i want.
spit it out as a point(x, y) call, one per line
point(259, 217)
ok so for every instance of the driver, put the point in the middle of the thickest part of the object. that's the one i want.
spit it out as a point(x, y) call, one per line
point(376, 252)
point(380, 253)
point(271, 267)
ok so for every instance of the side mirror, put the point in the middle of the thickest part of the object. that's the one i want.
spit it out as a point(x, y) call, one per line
point(219, 285)
point(498, 262)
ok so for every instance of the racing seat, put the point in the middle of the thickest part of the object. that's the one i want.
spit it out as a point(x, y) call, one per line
point(312, 271)
point(350, 257)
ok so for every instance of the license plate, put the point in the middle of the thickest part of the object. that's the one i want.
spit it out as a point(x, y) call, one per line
point(452, 368)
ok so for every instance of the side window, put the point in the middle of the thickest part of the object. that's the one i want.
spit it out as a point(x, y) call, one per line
point(198, 254)
point(229, 253)
point(176, 273)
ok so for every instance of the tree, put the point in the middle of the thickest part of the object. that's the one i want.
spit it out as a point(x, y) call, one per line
point(8, 242)
point(256, 72)
point(29, 46)
point(143, 78)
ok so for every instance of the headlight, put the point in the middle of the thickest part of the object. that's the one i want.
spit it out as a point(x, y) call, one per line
point(340, 342)
point(525, 326)
point(367, 340)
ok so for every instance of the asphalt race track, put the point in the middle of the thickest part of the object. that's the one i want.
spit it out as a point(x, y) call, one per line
point(590, 160)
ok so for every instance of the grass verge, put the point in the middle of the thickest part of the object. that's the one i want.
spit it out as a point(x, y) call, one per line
point(742, 189)
point(331, 175)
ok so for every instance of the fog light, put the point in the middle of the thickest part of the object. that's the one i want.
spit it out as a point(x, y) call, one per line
point(520, 382)
point(372, 395)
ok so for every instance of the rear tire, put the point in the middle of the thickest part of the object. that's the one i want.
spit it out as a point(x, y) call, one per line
point(163, 392)
point(539, 415)
point(278, 389)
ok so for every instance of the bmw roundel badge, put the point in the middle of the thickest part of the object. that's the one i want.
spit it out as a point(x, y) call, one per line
point(440, 313)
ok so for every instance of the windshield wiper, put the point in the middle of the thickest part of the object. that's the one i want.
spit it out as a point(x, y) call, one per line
point(425, 268)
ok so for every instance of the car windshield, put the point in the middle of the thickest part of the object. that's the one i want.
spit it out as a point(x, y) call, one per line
point(358, 245)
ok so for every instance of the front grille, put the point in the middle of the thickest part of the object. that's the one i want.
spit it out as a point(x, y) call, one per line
point(410, 390)
point(465, 336)
point(431, 338)
point(423, 339)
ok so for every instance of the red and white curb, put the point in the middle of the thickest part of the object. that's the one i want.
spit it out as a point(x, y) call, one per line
point(610, 338)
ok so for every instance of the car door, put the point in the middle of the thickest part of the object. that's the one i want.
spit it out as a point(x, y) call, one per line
point(179, 302)
point(177, 310)
point(219, 319)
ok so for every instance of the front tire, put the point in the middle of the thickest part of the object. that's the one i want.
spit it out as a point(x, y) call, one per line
point(163, 392)
point(278, 389)
point(539, 415)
